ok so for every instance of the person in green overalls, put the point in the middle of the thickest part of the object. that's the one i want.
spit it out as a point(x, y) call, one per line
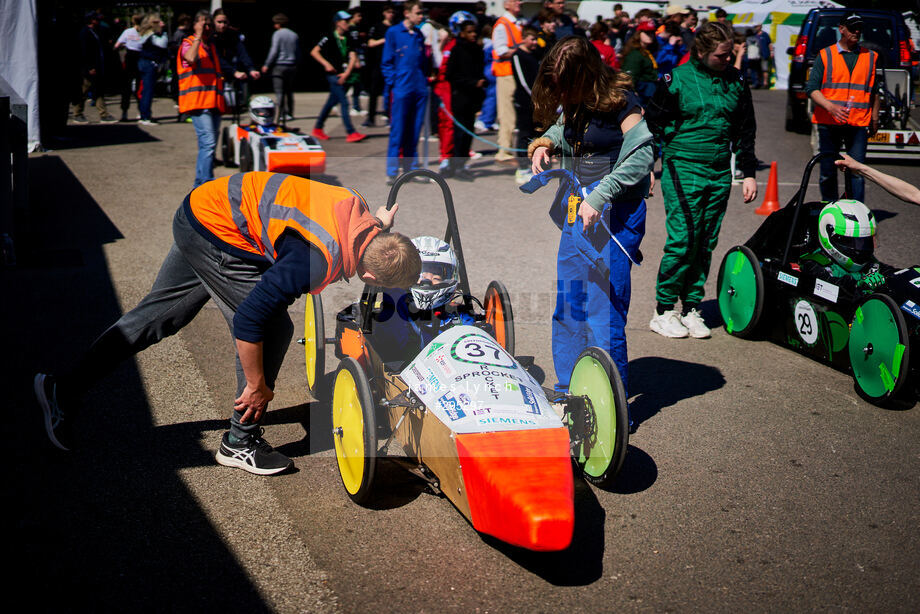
point(700, 114)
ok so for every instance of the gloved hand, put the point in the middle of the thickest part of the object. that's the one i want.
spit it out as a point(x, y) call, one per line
point(870, 281)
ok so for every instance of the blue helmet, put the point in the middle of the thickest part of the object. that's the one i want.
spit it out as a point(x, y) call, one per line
point(458, 18)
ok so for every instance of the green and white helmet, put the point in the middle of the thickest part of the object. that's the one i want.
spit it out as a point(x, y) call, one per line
point(846, 231)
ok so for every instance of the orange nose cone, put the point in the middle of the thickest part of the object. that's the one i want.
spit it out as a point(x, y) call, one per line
point(519, 486)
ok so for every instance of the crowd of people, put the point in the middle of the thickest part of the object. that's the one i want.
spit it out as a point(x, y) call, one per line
point(607, 100)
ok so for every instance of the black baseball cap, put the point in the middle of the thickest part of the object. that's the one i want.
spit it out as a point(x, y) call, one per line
point(852, 21)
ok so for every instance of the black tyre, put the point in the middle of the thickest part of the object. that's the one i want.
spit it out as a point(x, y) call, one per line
point(226, 148)
point(499, 314)
point(245, 156)
point(314, 343)
point(740, 291)
point(879, 348)
point(602, 432)
point(354, 430)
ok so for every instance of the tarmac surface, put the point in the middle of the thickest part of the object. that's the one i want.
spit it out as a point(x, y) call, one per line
point(757, 479)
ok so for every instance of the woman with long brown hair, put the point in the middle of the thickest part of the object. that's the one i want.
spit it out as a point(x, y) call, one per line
point(606, 157)
point(701, 113)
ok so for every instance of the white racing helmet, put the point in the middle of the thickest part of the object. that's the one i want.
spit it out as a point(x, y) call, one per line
point(262, 110)
point(846, 231)
point(439, 277)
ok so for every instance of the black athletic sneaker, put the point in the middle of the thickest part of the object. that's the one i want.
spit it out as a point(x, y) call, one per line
point(253, 455)
point(56, 423)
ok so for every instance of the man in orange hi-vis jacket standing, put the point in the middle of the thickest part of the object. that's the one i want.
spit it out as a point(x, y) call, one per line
point(254, 243)
point(843, 88)
point(201, 91)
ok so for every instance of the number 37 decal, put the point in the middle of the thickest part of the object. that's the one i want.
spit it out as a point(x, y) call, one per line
point(478, 349)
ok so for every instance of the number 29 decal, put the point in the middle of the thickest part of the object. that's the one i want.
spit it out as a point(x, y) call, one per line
point(806, 322)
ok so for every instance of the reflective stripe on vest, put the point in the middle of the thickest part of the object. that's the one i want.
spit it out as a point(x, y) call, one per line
point(842, 87)
point(502, 68)
point(200, 84)
point(249, 211)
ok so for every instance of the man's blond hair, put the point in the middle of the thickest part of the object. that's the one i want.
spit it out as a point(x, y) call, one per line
point(393, 260)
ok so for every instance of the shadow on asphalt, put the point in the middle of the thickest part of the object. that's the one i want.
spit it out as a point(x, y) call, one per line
point(111, 525)
point(638, 473)
point(583, 561)
point(684, 380)
point(100, 135)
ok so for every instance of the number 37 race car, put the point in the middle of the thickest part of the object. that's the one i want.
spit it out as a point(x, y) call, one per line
point(870, 328)
point(473, 423)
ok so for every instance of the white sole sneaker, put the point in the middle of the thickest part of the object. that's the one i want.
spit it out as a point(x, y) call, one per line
point(668, 325)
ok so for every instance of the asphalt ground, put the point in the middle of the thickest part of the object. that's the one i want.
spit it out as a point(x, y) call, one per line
point(756, 480)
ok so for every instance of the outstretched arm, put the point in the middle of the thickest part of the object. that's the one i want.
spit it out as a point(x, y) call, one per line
point(894, 186)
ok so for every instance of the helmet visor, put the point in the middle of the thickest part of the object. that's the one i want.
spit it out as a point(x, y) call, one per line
point(857, 249)
point(436, 273)
point(265, 113)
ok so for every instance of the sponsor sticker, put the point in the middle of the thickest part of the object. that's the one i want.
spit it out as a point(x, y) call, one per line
point(826, 290)
point(507, 420)
point(912, 308)
point(482, 411)
point(915, 282)
point(511, 386)
point(443, 363)
point(806, 322)
point(451, 407)
point(433, 381)
point(530, 399)
point(422, 388)
point(792, 280)
point(465, 399)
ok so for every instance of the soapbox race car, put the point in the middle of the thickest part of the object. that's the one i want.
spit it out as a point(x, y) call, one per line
point(252, 148)
point(763, 289)
point(475, 425)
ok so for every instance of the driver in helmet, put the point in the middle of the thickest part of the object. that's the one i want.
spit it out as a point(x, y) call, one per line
point(262, 114)
point(409, 321)
point(846, 235)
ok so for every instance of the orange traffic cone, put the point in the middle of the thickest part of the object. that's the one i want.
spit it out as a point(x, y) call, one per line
point(771, 198)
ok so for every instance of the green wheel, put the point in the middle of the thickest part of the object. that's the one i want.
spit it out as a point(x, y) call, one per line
point(740, 291)
point(879, 349)
point(314, 344)
point(354, 430)
point(602, 432)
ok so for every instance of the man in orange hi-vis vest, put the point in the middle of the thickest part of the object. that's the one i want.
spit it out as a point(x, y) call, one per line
point(201, 92)
point(253, 243)
point(842, 87)
point(506, 36)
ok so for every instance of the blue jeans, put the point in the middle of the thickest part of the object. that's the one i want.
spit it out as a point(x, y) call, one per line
point(148, 74)
point(853, 140)
point(336, 97)
point(207, 125)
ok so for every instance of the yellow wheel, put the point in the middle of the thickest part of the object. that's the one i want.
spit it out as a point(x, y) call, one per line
point(354, 429)
point(314, 345)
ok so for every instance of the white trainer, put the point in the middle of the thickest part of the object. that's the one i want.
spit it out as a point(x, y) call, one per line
point(693, 321)
point(668, 324)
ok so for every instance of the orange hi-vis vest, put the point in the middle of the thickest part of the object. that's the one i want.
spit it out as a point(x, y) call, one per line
point(249, 211)
point(502, 68)
point(200, 84)
point(845, 88)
